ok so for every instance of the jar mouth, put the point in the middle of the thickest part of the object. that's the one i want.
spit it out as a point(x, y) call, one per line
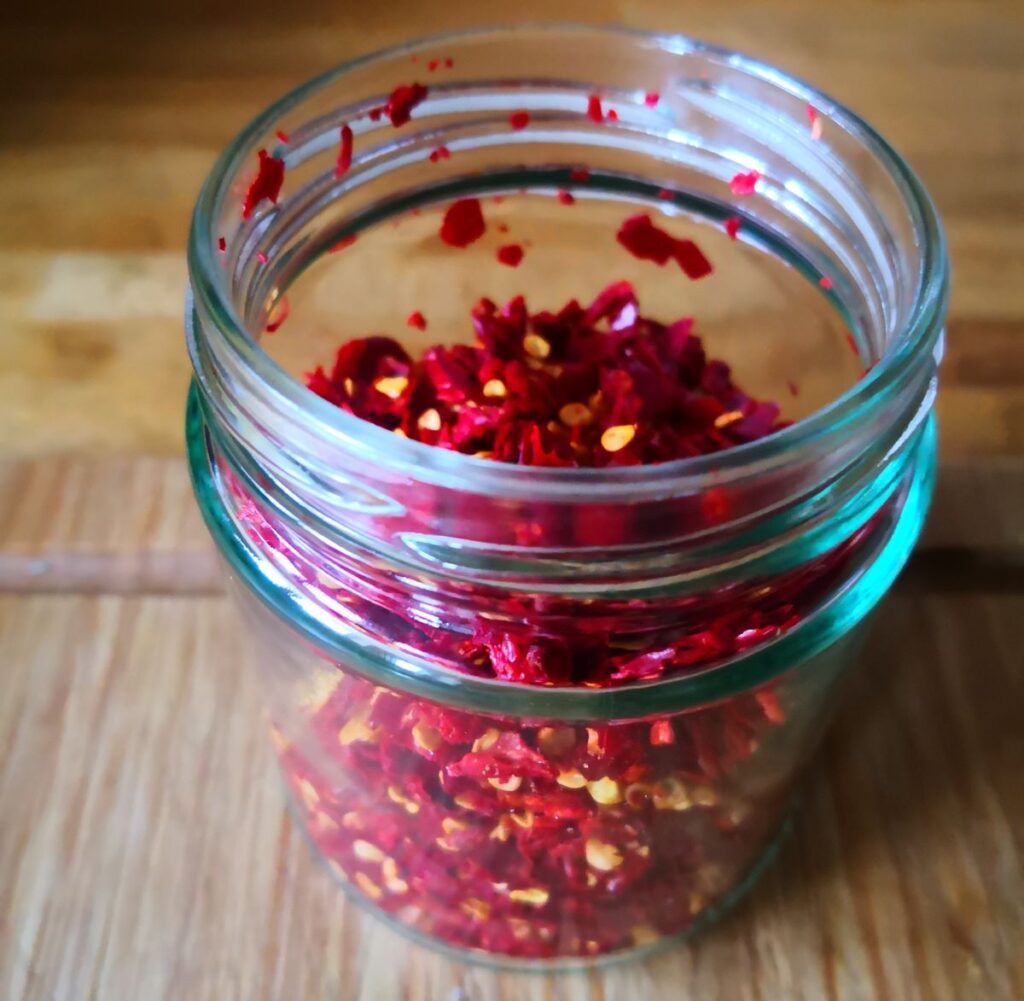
point(907, 349)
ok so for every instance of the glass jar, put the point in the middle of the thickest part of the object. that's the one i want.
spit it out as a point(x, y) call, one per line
point(420, 616)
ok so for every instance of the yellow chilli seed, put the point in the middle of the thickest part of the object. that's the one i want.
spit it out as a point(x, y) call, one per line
point(535, 896)
point(575, 415)
point(392, 386)
point(602, 856)
point(605, 791)
point(535, 346)
point(617, 437)
point(429, 420)
point(729, 417)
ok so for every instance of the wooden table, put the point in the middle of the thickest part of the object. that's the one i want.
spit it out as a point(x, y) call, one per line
point(144, 848)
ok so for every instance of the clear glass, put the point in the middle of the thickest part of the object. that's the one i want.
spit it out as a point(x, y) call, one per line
point(384, 580)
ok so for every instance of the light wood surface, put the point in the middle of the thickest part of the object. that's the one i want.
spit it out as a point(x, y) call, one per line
point(145, 852)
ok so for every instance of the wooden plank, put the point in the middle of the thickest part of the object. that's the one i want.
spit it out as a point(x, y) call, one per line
point(145, 851)
point(112, 118)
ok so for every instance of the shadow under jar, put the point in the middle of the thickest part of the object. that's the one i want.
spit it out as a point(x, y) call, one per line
point(545, 713)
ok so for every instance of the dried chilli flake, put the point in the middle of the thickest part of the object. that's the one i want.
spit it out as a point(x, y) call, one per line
point(282, 137)
point(345, 241)
point(518, 120)
point(651, 98)
point(585, 386)
point(594, 110)
point(222, 244)
point(278, 314)
point(416, 319)
point(463, 223)
point(639, 235)
point(566, 197)
point(510, 254)
point(344, 151)
point(266, 185)
point(732, 226)
point(402, 101)
point(814, 120)
point(745, 183)
point(441, 153)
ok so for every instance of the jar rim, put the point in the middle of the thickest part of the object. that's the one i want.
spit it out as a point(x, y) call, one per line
point(912, 343)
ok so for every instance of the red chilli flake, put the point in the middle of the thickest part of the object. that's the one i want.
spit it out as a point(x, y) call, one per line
point(518, 120)
point(651, 98)
point(463, 223)
point(344, 151)
point(566, 198)
point(282, 137)
point(266, 185)
point(432, 65)
point(403, 100)
point(691, 259)
point(732, 226)
point(648, 242)
point(594, 111)
point(579, 174)
point(825, 282)
point(665, 195)
point(511, 254)
point(745, 184)
point(416, 319)
point(345, 241)
point(278, 314)
point(612, 115)
point(222, 244)
point(448, 62)
point(814, 120)
point(441, 153)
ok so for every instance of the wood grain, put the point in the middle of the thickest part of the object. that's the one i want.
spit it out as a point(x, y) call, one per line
point(114, 113)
